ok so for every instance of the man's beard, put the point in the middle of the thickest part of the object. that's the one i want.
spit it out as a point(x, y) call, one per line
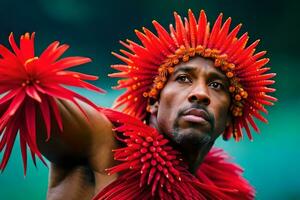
point(194, 146)
point(192, 139)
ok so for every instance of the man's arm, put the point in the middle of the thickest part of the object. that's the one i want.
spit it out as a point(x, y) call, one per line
point(79, 154)
point(81, 135)
point(72, 183)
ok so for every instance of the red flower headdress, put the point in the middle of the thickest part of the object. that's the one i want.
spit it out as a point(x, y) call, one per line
point(30, 84)
point(148, 66)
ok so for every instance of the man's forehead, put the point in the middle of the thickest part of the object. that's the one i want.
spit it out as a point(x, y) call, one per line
point(198, 64)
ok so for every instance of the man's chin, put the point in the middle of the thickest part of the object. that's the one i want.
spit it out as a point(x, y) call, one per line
point(191, 138)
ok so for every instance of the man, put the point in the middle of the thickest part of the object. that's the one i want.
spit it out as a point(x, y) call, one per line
point(206, 83)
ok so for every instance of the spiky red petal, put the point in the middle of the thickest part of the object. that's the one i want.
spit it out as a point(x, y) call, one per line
point(32, 84)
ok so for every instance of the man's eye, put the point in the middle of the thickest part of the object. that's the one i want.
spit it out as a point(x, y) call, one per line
point(216, 85)
point(183, 79)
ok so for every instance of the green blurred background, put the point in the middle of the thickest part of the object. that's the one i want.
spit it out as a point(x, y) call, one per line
point(93, 29)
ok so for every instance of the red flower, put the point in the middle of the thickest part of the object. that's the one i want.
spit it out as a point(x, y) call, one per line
point(29, 84)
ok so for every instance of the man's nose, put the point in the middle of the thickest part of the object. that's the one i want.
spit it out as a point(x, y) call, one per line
point(199, 95)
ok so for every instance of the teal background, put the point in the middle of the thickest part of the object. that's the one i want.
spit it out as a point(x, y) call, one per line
point(93, 29)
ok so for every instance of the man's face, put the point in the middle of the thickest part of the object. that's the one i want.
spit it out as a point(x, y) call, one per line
point(194, 104)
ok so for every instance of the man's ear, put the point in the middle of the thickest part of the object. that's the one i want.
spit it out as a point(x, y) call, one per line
point(154, 108)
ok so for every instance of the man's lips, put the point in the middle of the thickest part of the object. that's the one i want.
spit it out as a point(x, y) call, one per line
point(195, 115)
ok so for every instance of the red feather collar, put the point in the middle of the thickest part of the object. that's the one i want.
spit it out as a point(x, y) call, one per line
point(152, 169)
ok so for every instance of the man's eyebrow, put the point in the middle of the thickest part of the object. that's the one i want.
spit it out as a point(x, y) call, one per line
point(185, 68)
point(212, 74)
point(219, 76)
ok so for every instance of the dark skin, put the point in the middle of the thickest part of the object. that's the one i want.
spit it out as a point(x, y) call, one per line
point(192, 111)
point(194, 117)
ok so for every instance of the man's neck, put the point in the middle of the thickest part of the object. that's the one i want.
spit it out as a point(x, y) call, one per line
point(195, 155)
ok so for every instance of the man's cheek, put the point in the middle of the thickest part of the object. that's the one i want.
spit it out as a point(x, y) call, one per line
point(220, 122)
